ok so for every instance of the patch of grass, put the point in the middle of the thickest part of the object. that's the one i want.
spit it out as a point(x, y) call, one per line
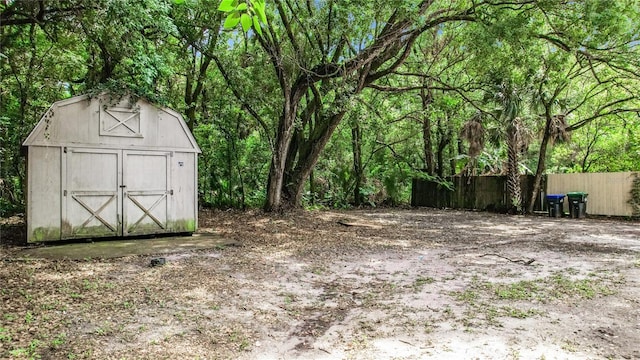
point(50, 306)
point(27, 295)
point(554, 287)
point(75, 295)
point(127, 304)
point(522, 290)
point(238, 338)
point(28, 317)
point(563, 287)
point(30, 351)
point(429, 327)
point(89, 285)
point(519, 313)
point(473, 293)
point(288, 298)
point(5, 335)
point(422, 281)
point(104, 330)
point(479, 298)
point(468, 296)
point(507, 273)
point(569, 346)
point(491, 315)
point(244, 345)
point(59, 340)
point(448, 313)
point(180, 315)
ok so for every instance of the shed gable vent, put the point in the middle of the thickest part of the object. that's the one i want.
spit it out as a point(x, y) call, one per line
point(120, 121)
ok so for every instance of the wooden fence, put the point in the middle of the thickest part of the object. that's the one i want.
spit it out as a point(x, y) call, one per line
point(475, 192)
point(609, 193)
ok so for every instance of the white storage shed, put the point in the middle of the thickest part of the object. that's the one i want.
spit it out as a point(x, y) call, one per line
point(107, 166)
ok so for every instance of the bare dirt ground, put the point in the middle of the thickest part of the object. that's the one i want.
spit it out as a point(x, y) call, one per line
point(365, 284)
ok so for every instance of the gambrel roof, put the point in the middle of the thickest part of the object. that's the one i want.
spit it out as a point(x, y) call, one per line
point(112, 122)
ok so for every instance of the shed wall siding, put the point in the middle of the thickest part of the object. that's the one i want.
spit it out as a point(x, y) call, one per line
point(43, 197)
point(168, 127)
point(184, 191)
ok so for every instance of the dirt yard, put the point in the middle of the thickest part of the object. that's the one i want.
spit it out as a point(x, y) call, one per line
point(366, 284)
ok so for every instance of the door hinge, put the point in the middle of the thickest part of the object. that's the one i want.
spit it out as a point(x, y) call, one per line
point(64, 193)
point(171, 192)
point(64, 149)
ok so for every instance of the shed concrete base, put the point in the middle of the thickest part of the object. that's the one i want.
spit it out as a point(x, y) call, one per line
point(129, 247)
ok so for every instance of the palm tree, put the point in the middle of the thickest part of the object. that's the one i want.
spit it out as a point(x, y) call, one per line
point(473, 132)
point(509, 99)
point(517, 134)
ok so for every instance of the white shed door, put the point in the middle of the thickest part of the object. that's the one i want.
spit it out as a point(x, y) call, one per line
point(115, 193)
point(92, 201)
point(146, 183)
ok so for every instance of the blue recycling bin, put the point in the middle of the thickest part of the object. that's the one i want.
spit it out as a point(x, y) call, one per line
point(555, 205)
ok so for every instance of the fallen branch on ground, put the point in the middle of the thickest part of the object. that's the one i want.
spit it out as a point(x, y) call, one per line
point(519, 261)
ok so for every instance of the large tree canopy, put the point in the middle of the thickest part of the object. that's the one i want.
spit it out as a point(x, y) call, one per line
point(340, 102)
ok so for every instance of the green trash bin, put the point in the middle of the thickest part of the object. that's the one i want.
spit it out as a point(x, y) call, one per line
point(577, 204)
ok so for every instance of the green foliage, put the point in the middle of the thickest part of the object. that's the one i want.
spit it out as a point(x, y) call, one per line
point(604, 145)
point(577, 59)
point(249, 14)
point(232, 167)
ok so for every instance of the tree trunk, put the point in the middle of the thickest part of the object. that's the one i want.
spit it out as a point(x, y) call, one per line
point(356, 145)
point(452, 155)
point(275, 182)
point(308, 156)
point(542, 158)
point(427, 99)
point(312, 188)
point(428, 146)
point(444, 142)
point(193, 91)
point(513, 174)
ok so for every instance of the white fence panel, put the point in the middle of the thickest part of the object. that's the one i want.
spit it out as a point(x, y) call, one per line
point(609, 193)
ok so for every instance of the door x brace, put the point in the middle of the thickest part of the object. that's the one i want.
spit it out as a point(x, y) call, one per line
point(95, 214)
point(147, 212)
